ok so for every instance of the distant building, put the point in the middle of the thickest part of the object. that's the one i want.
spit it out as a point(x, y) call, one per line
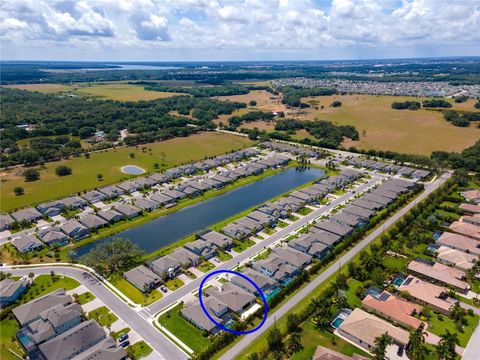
point(11, 290)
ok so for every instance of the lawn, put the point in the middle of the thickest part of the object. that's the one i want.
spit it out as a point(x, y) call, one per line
point(240, 246)
point(205, 266)
point(447, 214)
point(44, 284)
point(85, 298)
point(223, 256)
point(120, 333)
point(133, 293)
point(123, 92)
point(174, 284)
point(103, 316)
point(282, 224)
point(139, 350)
point(351, 295)
point(304, 211)
point(395, 264)
point(183, 330)
point(9, 327)
point(167, 154)
point(438, 327)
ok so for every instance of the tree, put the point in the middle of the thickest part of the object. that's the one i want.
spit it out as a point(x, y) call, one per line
point(446, 349)
point(63, 170)
point(253, 356)
point(381, 343)
point(336, 103)
point(252, 103)
point(18, 190)
point(275, 341)
point(417, 350)
point(458, 314)
point(294, 342)
point(132, 155)
point(99, 177)
point(293, 324)
point(31, 174)
point(111, 256)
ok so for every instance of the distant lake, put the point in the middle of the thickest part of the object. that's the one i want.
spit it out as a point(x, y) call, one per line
point(136, 67)
point(165, 230)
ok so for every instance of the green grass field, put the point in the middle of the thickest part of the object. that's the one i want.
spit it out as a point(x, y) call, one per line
point(439, 323)
point(133, 293)
point(240, 246)
point(174, 284)
point(183, 330)
point(139, 350)
point(122, 92)
point(9, 327)
point(166, 153)
point(103, 316)
point(85, 298)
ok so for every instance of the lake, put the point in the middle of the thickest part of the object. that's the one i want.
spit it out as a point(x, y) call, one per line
point(167, 229)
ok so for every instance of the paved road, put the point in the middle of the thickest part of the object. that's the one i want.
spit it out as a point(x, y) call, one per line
point(192, 286)
point(163, 346)
point(237, 349)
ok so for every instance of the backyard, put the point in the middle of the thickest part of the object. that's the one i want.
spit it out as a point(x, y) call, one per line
point(133, 293)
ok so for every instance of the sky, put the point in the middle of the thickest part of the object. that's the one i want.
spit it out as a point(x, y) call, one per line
point(202, 30)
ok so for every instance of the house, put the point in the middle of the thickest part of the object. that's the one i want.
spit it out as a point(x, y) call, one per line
point(323, 353)
point(266, 284)
point(276, 268)
point(470, 208)
point(324, 237)
point(373, 197)
point(202, 248)
point(106, 349)
point(128, 210)
point(249, 223)
point(166, 266)
point(440, 273)
point(51, 323)
point(94, 196)
point(145, 204)
point(174, 194)
point(92, 221)
point(472, 195)
point(185, 257)
point(237, 231)
point(29, 312)
point(27, 243)
point(309, 245)
point(144, 182)
point(369, 205)
point(386, 194)
point(220, 240)
point(346, 219)
point(194, 313)
point(111, 191)
point(358, 211)
point(394, 309)
point(419, 174)
point(53, 236)
point(161, 199)
point(305, 198)
point(5, 221)
point(236, 299)
point(465, 229)
point(158, 178)
point(110, 216)
point(458, 259)
point(427, 294)
point(51, 208)
point(27, 214)
point(474, 220)
point(459, 242)
point(74, 202)
point(292, 257)
point(351, 175)
point(334, 228)
point(363, 328)
point(143, 278)
point(128, 186)
point(11, 290)
point(74, 341)
point(262, 218)
point(74, 229)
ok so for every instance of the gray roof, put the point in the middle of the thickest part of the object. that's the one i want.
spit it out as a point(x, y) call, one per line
point(347, 219)
point(386, 193)
point(324, 237)
point(8, 287)
point(161, 198)
point(233, 296)
point(128, 186)
point(52, 235)
point(109, 215)
point(59, 314)
point(359, 211)
point(127, 209)
point(94, 196)
point(28, 214)
point(164, 263)
point(74, 202)
point(5, 220)
point(259, 279)
point(74, 341)
point(260, 217)
point(334, 227)
point(174, 194)
point(31, 311)
point(184, 256)
point(377, 199)
point(111, 191)
point(217, 238)
point(92, 221)
point(145, 204)
point(141, 276)
point(104, 350)
point(26, 243)
point(367, 204)
point(292, 257)
point(72, 225)
point(195, 313)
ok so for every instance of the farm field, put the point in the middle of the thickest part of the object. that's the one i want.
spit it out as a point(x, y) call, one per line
point(108, 163)
point(123, 92)
point(262, 97)
point(44, 88)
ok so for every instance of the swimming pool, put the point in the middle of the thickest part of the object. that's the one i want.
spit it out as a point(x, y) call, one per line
point(398, 281)
point(132, 170)
point(337, 322)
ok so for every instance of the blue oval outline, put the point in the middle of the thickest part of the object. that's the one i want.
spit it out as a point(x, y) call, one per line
point(262, 295)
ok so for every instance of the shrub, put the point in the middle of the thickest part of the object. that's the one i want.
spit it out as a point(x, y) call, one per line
point(63, 170)
point(18, 190)
point(31, 174)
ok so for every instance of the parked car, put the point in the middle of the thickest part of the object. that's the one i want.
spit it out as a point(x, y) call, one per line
point(125, 343)
point(164, 289)
point(400, 351)
point(123, 338)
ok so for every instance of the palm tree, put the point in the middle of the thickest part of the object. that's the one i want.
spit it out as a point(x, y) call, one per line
point(381, 343)
point(417, 349)
point(446, 349)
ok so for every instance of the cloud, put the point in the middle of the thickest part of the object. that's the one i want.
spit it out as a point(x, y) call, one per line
point(276, 27)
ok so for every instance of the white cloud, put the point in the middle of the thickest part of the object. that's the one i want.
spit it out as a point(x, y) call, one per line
point(344, 27)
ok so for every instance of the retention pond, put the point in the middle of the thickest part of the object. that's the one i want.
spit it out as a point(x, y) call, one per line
point(167, 229)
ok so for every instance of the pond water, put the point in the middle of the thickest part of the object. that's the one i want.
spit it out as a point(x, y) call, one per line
point(167, 229)
point(132, 170)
